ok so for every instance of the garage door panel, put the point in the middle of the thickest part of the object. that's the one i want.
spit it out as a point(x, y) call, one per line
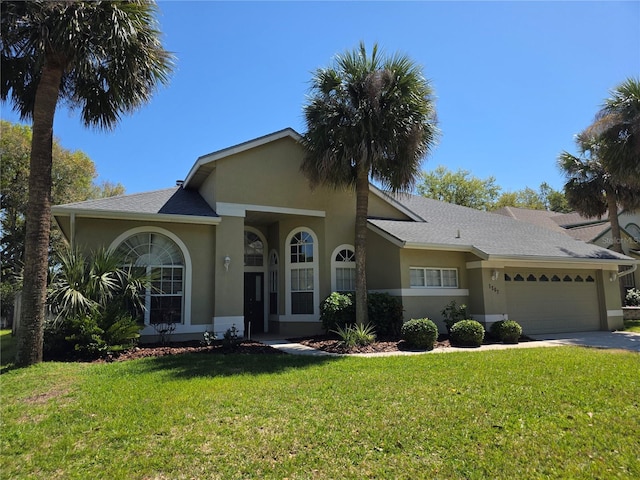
point(552, 301)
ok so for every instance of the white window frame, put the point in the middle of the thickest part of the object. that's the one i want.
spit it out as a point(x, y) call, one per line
point(289, 267)
point(187, 270)
point(438, 269)
point(336, 264)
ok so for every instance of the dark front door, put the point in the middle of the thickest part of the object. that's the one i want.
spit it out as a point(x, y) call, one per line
point(253, 303)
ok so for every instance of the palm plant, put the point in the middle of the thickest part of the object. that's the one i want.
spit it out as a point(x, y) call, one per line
point(367, 117)
point(591, 189)
point(618, 123)
point(103, 58)
point(97, 290)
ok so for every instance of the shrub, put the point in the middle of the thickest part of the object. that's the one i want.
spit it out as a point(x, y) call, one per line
point(73, 338)
point(337, 311)
point(420, 333)
point(494, 329)
point(356, 334)
point(632, 299)
point(509, 331)
point(385, 313)
point(467, 333)
point(453, 313)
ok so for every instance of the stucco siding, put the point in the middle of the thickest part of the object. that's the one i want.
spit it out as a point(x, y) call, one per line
point(199, 240)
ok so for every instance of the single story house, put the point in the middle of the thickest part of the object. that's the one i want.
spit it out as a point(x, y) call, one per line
point(243, 241)
point(592, 230)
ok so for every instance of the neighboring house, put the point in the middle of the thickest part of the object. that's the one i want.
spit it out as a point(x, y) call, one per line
point(244, 241)
point(592, 230)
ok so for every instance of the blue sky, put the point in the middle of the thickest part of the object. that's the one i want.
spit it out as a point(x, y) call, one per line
point(515, 81)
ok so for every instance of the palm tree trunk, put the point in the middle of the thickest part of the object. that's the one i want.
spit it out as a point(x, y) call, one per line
point(612, 207)
point(362, 209)
point(38, 219)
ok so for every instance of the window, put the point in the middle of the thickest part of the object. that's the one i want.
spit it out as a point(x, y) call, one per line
point(253, 250)
point(302, 272)
point(434, 277)
point(273, 283)
point(343, 265)
point(162, 260)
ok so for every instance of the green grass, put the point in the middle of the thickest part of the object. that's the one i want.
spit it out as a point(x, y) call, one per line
point(564, 412)
point(632, 326)
point(7, 350)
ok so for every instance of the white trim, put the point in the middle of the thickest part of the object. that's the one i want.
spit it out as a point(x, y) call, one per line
point(425, 292)
point(188, 268)
point(441, 269)
point(545, 264)
point(240, 210)
point(313, 265)
point(334, 264)
point(614, 313)
point(148, 330)
point(151, 217)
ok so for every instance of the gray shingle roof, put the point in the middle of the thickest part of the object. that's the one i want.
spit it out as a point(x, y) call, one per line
point(170, 201)
point(447, 225)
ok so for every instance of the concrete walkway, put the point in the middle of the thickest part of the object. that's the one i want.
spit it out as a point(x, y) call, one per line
point(610, 340)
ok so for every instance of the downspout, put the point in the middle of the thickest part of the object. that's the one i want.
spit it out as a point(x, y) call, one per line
point(627, 272)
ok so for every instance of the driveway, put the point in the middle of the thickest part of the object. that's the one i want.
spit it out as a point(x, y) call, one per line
point(620, 340)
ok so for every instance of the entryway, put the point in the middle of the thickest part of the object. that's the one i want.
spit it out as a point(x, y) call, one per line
point(253, 303)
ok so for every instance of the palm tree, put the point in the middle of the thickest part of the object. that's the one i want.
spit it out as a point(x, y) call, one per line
point(103, 58)
point(618, 122)
point(367, 117)
point(590, 188)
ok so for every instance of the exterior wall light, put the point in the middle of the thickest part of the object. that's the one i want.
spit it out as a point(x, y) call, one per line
point(495, 274)
point(613, 277)
point(227, 262)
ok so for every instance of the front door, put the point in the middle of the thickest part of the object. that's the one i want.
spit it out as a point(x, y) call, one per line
point(253, 303)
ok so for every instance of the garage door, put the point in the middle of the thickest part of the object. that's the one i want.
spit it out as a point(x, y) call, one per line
point(544, 301)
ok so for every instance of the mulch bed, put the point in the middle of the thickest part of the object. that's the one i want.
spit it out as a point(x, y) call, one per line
point(327, 343)
point(332, 344)
point(178, 348)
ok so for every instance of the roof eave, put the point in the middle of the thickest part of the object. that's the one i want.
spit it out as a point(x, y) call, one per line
point(140, 216)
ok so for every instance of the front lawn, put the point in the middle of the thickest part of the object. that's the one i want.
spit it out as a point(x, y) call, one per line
point(632, 326)
point(564, 412)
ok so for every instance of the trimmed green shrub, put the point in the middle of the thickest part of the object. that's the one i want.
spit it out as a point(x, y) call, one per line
point(494, 330)
point(385, 313)
point(466, 333)
point(337, 311)
point(420, 333)
point(509, 331)
point(73, 338)
point(453, 313)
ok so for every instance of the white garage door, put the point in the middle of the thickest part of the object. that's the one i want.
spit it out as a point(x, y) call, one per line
point(545, 301)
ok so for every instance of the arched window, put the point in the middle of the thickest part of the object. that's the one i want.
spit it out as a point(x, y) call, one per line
point(343, 269)
point(159, 257)
point(302, 264)
point(253, 250)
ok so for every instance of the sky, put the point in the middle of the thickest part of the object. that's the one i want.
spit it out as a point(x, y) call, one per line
point(514, 81)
